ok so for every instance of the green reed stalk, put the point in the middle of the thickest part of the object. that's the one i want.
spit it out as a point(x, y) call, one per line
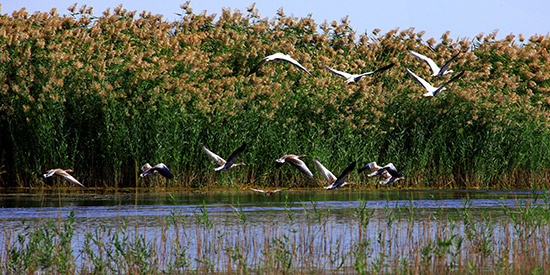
point(105, 94)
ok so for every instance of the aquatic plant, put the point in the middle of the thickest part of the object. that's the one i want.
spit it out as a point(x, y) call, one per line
point(103, 94)
point(42, 248)
point(444, 241)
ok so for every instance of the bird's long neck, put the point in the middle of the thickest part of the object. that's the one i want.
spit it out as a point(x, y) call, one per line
point(348, 183)
point(237, 164)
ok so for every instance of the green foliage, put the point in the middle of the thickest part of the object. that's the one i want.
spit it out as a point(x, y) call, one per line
point(103, 95)
point(46, 248)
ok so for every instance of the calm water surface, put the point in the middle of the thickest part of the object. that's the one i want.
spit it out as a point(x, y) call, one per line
point(148, 210)
point(145, 208)
point(22, 205)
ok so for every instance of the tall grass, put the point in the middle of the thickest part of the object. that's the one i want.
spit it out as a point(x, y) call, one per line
point(105, 94)
point(301, 239)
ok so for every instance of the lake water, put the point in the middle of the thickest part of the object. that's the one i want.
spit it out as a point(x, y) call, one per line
point(316, 229)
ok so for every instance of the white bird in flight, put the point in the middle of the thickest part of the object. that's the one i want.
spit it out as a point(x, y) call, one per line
point(334, 182)
point(352, 78)
point(435, 69)
point(432, 91)
point(230, 163)
point(159, 168)
point(278, 56)
point(64, 174)
point(296, 162)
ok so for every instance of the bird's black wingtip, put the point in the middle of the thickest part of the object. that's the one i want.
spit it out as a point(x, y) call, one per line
point(365, 167)
point(457, 76)
point(351, 166)
point(389, 66)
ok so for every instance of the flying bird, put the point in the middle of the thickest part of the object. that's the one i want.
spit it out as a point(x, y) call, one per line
point(388, 172)
point(230, 163)
point(376, 169)
point(295, 161)
point(146, 167)
point(267, 193)
point(352, 78)
point(159, 168)
point(432, 91)
point(335, 183)
point(373, 168)
point(435, 69)
point(275, 57)
point(64, 174)
point(391, 176)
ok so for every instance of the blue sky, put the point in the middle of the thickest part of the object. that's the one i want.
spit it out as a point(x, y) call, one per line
point(464, 18)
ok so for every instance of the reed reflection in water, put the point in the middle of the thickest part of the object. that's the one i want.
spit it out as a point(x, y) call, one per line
point(294, 232)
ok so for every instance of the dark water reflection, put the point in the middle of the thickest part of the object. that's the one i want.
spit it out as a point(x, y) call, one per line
point(19, 205)
point(454, 198)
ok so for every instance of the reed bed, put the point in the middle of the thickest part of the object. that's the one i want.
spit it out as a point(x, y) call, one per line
point(103, 94)
point(302, 238)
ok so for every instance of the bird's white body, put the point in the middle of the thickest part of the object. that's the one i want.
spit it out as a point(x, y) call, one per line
point(225, 165)
point(334, 182)
point(435, 69)
point(388, 172)
point(146, 167)
point(161, 168)
point(352, 78)
point(217, 159)
point(295, 161)
point(62, 173)
point(329, 176)
point(432, 91)
point(389, 178)
point(376, 169)
point(267, 193)
point(279, 56)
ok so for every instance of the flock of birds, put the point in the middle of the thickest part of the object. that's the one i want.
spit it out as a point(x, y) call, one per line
point(388, 172)
point(352, 78)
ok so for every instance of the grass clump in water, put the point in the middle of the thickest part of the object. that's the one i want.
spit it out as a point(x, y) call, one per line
point(396, 238)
